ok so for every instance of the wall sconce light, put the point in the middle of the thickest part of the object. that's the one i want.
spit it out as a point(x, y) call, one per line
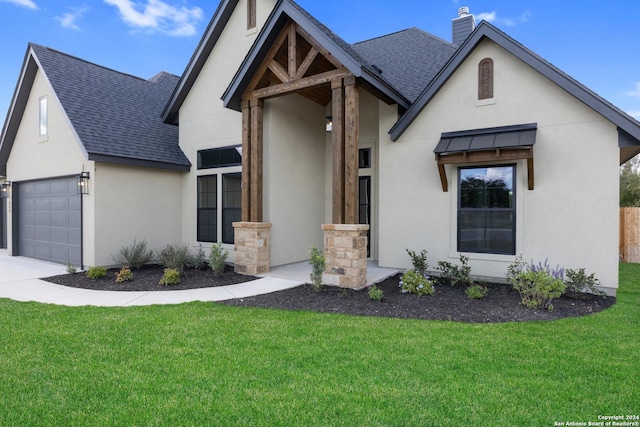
point(5, 190)
point(329, 124)
point(83, 183)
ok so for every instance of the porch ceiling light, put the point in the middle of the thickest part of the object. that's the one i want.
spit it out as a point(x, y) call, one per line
point(329, 124)
point(5, 190)
point(83, 183)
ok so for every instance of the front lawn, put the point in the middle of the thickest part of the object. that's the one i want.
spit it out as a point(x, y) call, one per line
point(207, 364)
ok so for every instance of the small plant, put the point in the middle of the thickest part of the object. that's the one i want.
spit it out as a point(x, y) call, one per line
point(414, 283)
point(174, 257)
point(217, 258)
point(577, 281)
point(71, 269)
point(124, 275)
point(198, 260)
point(455, 275)
point(171, 276)
point(476, 291)
point(317, 268)
point(537, 284)
point(96, 272)
point(375, 293)
point(136, 255)
point(419, 261)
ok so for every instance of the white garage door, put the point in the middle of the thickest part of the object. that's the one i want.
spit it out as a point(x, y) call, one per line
point(49, 220)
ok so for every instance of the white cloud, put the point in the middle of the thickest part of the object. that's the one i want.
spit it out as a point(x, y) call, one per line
point(493, 18)
point(636, 91)
point(157, 15)
point(68, 19)
point(26, 3)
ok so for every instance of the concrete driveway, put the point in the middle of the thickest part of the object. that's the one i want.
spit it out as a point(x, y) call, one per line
point(16, 269)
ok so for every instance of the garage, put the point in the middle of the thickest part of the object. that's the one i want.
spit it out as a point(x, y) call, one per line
point(49, 216)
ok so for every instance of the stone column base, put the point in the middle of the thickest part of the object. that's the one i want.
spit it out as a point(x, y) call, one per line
point(345, 253)
point(252, 247)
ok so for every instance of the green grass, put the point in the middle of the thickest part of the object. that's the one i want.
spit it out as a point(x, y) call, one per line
point(205, 364)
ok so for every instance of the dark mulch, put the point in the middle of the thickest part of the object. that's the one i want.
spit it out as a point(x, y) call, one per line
point(502, 304)
point(147, 278)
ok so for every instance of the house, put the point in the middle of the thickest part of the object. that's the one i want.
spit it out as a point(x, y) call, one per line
point(280, 136)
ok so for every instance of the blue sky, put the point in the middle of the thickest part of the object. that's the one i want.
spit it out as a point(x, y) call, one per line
point(595, 42)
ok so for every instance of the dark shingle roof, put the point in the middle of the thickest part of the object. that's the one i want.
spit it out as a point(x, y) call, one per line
point(116, 115)
point(408, 59)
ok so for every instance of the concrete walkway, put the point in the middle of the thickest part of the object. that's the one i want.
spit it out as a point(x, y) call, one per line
point(20, 281)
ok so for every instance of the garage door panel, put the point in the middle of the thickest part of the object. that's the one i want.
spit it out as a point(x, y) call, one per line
point(50, 220)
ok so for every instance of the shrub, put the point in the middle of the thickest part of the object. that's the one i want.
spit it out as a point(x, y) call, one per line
point(171, 276)
point(198, 260)
point(217, 258)
point(414, 283)
point(375, 293)
point(455, 274)
point(317, 268)
point(135, 255)
point(419, 261)
point(476, 291)
point(174, 257)
point(577, 281)
point(124, 275)
point(537, 284)
point(96, 272)
point(71, 269)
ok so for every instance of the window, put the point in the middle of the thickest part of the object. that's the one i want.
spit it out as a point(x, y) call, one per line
point(486, 210)
point(43, 116)
point(219, 194)
point(485, 79)
point(251, 14)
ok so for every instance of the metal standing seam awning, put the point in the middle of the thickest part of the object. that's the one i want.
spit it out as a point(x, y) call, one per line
point(487, 145)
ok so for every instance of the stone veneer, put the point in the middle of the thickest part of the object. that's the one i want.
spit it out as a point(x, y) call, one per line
point(345, 252)
point(252, 247)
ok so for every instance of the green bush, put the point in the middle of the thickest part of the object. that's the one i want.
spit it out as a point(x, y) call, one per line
point(419, 261)
point(97, 272)
point(317, 268)
point(577, 281)
point(198, 260)
point(476, 291)
point(174, 257)
point(537, 284)
point(217, 258)
point(455, 275)
point(375, 293)
point(171, 276)
point(124, 275)
point(71, 269)
point(414, 283)
point(135, 255)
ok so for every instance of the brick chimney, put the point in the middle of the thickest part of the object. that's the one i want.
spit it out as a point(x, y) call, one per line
point(462, 26)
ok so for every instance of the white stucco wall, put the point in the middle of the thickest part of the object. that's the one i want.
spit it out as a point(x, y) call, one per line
point(204, 122)
point(294, 176)
point(58, 154)
point(134, 203)
point(571, 217)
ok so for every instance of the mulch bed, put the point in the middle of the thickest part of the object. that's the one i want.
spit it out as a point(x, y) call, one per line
point(147, 278)
point(502, 304)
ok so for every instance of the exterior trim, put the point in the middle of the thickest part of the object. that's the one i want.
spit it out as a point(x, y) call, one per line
point(138, 162)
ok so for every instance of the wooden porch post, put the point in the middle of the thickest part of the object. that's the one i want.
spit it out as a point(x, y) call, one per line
point(337, 111)
point(257, 107)
point(246, 161)
point(352, 132)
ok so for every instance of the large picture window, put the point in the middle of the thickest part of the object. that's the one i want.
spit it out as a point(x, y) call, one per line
point(219, 194)
point(486, 210)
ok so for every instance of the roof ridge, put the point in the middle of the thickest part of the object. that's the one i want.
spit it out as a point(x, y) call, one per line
point(31, 45)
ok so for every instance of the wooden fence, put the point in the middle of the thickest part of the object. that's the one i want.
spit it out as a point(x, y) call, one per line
point(630, 234)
